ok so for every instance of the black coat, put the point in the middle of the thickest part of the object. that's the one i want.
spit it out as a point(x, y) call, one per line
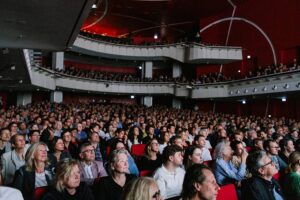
point(83, 192)
point(25, 181)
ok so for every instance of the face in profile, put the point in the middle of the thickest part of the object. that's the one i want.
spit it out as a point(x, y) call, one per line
point(209, 188)
point(155, 192)
point(121, 165)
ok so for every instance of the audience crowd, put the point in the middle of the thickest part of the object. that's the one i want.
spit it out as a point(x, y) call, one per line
point(53, 151)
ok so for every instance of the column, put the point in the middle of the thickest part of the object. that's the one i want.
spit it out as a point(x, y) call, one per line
point(176, 103)
point(56, 97)
point(147, 101)
point(24, 98)
point(176, 70)
point(148, 69)
point(58, 60)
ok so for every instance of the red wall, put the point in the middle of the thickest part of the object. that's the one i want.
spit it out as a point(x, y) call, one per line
point(279, 20)
point(3, 95)
point(113, 69)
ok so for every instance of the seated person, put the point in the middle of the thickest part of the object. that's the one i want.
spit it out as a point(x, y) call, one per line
point(225, 171)
point(261, 186)
point(13, 160)
point(192, 155)
point(286, 149)
point(10, 193)
point(57, 152)
point(199, 183)
point(5, 145)
point(200, 142)
point(34, 178)
point(271, 147)
point(169, 176)
point(111, 187)
point(292, 179)
point(151, 159)
point(90, 170)
point(67, 183)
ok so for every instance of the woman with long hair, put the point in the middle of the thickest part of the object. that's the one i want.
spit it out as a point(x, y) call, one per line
point(34, 178)
point(57, 152)
point(192, 155)
point(151, 159)
point(134, 137)
point(142, 188)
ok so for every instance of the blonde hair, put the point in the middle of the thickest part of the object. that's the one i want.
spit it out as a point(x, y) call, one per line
point(138, 189)
point(294, 161)
point(63, 172)
point(30, 162)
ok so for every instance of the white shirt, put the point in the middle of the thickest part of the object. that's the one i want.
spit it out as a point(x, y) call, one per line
point(40, 180)
point(169, 183)
point(10, 193)
point(162, 147)
point(207, 144)
point(206, 156)
point(88, 171)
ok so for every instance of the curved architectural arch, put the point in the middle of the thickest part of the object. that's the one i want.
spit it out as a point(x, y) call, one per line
point(248, 22)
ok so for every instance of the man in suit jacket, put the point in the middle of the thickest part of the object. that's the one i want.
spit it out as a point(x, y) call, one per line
point(90, 170)
point(13, 160)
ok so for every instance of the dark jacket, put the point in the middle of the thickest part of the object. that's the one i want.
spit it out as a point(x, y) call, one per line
point(25, 181)
point(53, 160)
point(83, 192)
point(257, 188)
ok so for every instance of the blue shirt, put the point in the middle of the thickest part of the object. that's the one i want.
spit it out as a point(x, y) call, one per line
point(226, 172)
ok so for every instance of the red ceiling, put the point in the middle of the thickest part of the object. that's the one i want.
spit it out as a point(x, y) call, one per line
point(173, 18)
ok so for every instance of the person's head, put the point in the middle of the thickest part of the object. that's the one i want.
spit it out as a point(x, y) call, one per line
point(172, 154)
point(192, 155)
point(294, 134)
point(171, 129)
point(67, 174)
point(18, 141)
point(237, 147)
point(142, 188)
point(252, 134)
point(36, 153)
point(223, 151)
point(151, 130)
point(57, 145)
point(5, 134)
point(294, 161)
point(151, 147)
point(93, 137)
point(87, 152)
point(261, 134)
point(120, 133)
point(238, 136)
point(271, 147)
point(66, 135)
point(258, 144)
point(13, 127)
point(260, 164)
point(200, 141)
point(118, 162)
point(34, 136)
point(287, 145)
point(165, 137)
point(200, 183)
point(176, 140)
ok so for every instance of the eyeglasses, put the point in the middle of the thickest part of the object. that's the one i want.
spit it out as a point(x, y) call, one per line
point(268, 163)
point(156, 195)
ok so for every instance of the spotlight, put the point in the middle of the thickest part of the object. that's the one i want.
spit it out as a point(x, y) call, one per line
point(155, 36)
point(254, 90)
point(248, 57)
point(286, 86)
point(132, 97)
point(239, 71)
point(246, 91)
point(140, 67)
point(274, 87)
point(283, 99)
point(94, 6)
point(269, 116)
point(243, 102)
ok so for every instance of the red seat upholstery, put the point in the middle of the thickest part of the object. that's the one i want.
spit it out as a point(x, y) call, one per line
point(138, 149)
point(227, 192)
point(248, 149)
point(146, 173)
point(108, 150)
point(277, 176)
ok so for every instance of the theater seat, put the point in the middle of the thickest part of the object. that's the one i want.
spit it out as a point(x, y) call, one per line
point(277, 176)
point(227, 192)
point(138, 150)
point(146, 173)
point(248, 148)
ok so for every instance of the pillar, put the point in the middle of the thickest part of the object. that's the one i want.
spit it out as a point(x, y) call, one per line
point(24, 98)
point(58, 60)
point(176, 70)
point(147, 101)
point(176, 103)
point(56, 97)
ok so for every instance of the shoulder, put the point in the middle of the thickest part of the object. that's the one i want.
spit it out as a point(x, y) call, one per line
point(10, 193)
point(7, 155)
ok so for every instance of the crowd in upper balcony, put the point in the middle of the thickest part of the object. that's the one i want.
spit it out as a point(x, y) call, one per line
point(96, 151)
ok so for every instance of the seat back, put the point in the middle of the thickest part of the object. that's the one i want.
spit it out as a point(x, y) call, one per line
point(146, 173)
point(227, 192)
point(138, 150)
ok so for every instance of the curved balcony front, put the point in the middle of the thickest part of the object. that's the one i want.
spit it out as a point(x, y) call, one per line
point(182, 52)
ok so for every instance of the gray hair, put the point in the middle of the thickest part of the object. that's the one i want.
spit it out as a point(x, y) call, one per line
point(219, 149)
point(114, 157)
point(255, 161)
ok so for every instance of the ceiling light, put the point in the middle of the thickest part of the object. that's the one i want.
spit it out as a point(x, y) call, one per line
point(155, 36)
point(243, 102)
point(140, 67)
point(94, 6)
point(283, 99)
point(248, 57)
point(132, 97)
point(239, 71)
